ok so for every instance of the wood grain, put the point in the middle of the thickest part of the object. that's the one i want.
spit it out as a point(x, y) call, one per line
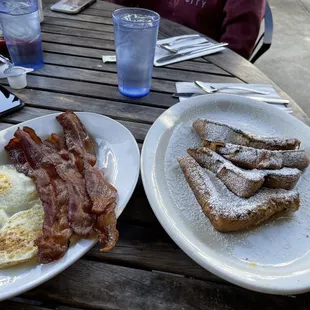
point(77, 24)
point(82, 17)
point(176, 72)
point(99, 285)
point(142, 248)
point(77, 41)
point(108, 78)
point(115, 109)
point(11, 305)
point(82, 33)
point(100, 91)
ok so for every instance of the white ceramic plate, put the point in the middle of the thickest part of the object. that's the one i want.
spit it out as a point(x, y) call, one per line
point(272, 258)
point(117, 154)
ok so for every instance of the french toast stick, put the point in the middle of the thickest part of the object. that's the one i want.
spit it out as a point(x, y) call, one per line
point(228, 212)
point(217, 132)
point(251, 158)
point(244, 183)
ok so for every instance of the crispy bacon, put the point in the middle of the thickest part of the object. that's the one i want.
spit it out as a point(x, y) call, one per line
point(18, 157)
point(76, 196)
point(76, 137)
point(56, 232)
point(62, 190)
point(55, 142)
point(81, 221)
point(103, 196)
point(52, 191)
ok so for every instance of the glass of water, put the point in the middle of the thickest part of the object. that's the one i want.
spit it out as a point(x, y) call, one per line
point(135, 34)
point(20, 22)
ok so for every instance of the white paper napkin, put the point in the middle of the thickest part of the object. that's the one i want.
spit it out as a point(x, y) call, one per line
point(190, 87)
point(160, 52)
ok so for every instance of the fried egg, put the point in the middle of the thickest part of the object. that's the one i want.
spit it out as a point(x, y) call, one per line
point(3, 218)
point(17, 191)
point(18, 235)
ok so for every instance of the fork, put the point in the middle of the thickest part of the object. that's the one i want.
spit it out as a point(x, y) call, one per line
point(211, 89)
point(176, 50)
point(191, 37)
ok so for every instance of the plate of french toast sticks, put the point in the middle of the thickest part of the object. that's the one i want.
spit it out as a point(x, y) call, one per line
point(228, 179)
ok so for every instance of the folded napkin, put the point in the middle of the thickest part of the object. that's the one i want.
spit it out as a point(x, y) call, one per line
point(190, 87)
point(160, 52)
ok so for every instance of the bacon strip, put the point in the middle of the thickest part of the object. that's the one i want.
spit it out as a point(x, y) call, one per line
point(18, 157)
point(76, 137)
point(52, 191)
point(56, 232)
point(103, 196)
point(63, 193)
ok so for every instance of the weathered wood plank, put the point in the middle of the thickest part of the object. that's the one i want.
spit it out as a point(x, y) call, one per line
point(75, 50)
point(176, 72)
point(77, 24)
point(108, 78)
point(77, 41)
point(81, 17)
point(192, 66)
point(151, 248)
point(114, 109)
point(4, 125)
point(98, 285)
point(12, 305)
point(139, 130)
point(18, 303)
point(90, 52)
point(106, 6)
point(138, 210)
point(95, 91)
point(82, 33)
point(96, 12)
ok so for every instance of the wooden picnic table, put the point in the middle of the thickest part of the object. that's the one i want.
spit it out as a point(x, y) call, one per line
point(146, 270)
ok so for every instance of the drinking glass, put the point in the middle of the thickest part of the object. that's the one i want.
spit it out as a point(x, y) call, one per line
point(135, 34)
point(20, 22)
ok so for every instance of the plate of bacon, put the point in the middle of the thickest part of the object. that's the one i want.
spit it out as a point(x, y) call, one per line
point(64, 180)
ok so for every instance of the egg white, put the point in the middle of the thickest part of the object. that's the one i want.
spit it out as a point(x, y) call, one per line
point(17, 191)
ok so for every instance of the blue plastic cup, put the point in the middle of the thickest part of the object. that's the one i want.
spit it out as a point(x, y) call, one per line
point(135, 34)
point(20, 21)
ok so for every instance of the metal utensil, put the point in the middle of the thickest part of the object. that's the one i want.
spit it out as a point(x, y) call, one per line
point(265, 99)
point(176, 50)
point(175, 56)
point(190, 37)
point(6, 60)
point(212, 89)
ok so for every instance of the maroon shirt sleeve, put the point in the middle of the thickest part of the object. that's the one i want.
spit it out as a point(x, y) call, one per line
point(241, 24)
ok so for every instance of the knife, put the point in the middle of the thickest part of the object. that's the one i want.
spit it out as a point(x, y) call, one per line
point(268, 100)
point(175, 56)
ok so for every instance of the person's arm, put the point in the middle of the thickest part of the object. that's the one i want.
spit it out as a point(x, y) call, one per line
point(241, 24)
